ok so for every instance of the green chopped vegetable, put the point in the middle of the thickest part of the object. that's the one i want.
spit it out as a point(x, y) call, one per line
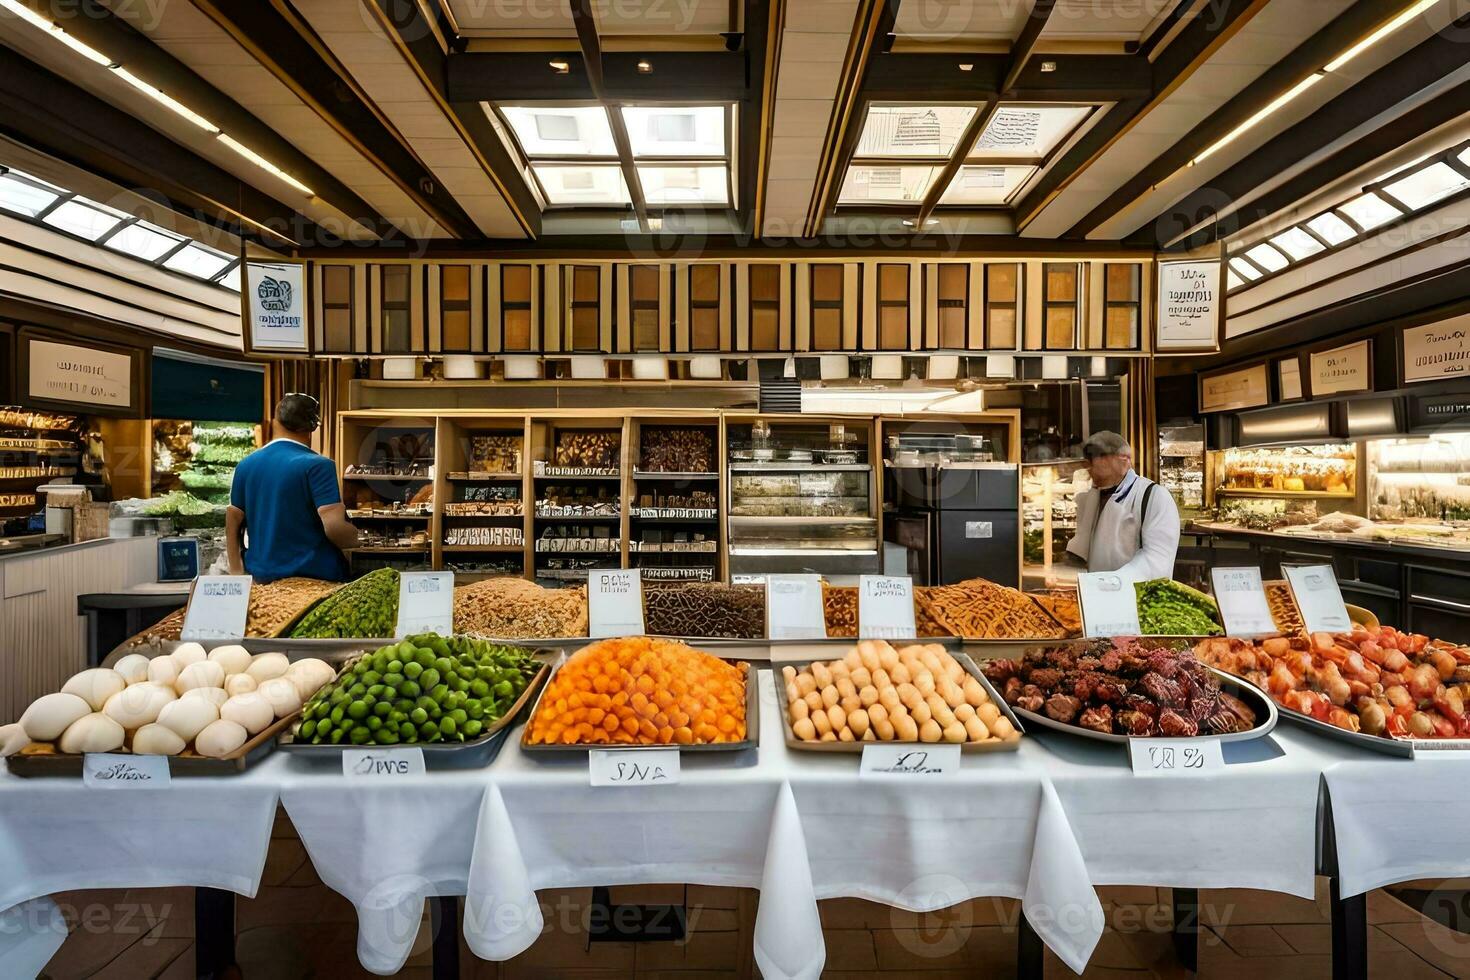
point(1170, 608)
point(367, 607)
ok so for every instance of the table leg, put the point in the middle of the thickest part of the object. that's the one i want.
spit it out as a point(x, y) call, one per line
point(1186, 927)
point(214, 934)
point(1349, 934)
point(1030, 951)
point(444, 921)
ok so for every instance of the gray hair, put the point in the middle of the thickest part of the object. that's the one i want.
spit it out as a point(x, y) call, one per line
point(1105, 443)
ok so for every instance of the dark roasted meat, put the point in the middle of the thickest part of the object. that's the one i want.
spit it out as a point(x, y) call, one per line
point(1062, 707)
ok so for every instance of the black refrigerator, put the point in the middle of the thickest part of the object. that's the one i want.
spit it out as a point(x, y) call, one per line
point(957, 522)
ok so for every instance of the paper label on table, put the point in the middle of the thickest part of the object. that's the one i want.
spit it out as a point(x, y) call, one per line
point(883, 759)
point(747, 579)
point(1314, 587)
point(1109, 604)
point(633, 767)
point(886, 607)
point(614, 602)
point(794, 608)
point(218, 607)
point(425, 603)
point(114, 770)
point(1242, 601)
point(1175, 756)
point(382, 763)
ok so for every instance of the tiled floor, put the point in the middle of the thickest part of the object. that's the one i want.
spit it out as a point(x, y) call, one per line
point(297, 928)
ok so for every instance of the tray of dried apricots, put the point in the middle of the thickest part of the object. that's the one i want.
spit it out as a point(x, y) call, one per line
point(645, 692)
point(911, 694)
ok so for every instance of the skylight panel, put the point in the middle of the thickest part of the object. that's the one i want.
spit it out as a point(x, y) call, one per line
point(1027, 131)
point(562, 131)
point(1369, 211)
point(585, 184)
point(683, 131)
point(702, 185)
point(913, 131)
point(1245, 270)
point(143, 241)
point(1423, 187)
point(1297, 243)
point(198, 260)
point(1267, 258)
point(985, 185)
point(84, 218)
point(1333, 229)
point(19, 194)
point(873, 184)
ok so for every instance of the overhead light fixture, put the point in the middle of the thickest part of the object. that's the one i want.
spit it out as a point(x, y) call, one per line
point(1254, 120)
point(967, 66)
point(560, 65)
point(164, 99)
point(645, 67)
point(1048, 66)
point(655, 224)
point(39, 22)
point(263, 163)
point(1387, 28)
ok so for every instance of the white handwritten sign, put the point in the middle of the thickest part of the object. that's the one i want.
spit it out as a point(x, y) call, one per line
point(794, 608)
point(1315, 589)
point(425, 603)
point(384, 763)
point(614, 602)
point(1189, 306)
point(885, 759)
point(218, 606)
point(886, 607)
point(1242, 601)
point(1155, 757)
point(1109, 604)
point(637, 767)
point(1437, 350)
point(115, 770)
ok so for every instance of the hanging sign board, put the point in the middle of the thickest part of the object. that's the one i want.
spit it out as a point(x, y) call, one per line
point(1343, 369)
point(218, 608)
point(1315, 590)
point(794, 608)
point(1189, 312)
point(1230, 391)
point(1437, 351)
point(79, 376)
point(614, 602)
point(1242, 601)
point(274, 297)
point(1109, 604)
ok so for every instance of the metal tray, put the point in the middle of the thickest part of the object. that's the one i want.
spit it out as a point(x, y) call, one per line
point(1402, 748)
point(855, 748)
point(42, 758)
point(752, 729)
point(472, 754)
point(1265, 709)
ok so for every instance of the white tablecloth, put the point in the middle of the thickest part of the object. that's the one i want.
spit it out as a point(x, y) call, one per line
point(58, 835)
point(30, 934)
point(1254, 825)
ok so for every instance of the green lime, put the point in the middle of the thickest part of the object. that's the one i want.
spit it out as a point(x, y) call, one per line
point(393, 678)
point(429, 731)
point(308, 729)
point(424, 658)
point(377, 690)
point(429, 679)
point(360, 736)
point(479, 688)
point(412, 670)
point(357, 710)
point(447, 726)
point(395, 666)
point(385, 736)
point(357, 690)
point(374, 723)
point(418, 716)
point(504, 689)
point(408, 689)
point(372, 677)
point(476, 709)
point(382, 708)
point(472, 728)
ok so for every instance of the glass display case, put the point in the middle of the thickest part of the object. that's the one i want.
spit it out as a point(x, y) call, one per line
point(1182, 465)
point(1049, 519)
point(1420, 479)
point(1319, 471)
point(802, 498)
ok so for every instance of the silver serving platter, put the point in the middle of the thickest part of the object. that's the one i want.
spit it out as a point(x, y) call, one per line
point(752, 728)
point(1402, 748)
point(1253, 696)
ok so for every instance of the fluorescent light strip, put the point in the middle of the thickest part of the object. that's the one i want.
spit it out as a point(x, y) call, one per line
point(263, 163)
point(1254, 120)
point(39, 22)
point(166, 100)
point(1378, 35)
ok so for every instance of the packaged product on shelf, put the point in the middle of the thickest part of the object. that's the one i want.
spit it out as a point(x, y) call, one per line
point(495, 454)
point(513, 608)
point(367, 608)
point(597, 449)
point(676, 450)
point(705, 610)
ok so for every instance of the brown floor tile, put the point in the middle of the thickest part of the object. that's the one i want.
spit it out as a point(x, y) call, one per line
point(1309, 938)
point(1443, 948)
point(850, 949)
point(283, 860)
point(712, 951)
point(1241, 906)
point(288, 906)
point(1251, 941)
point(715, 896)
point(988, 948)
point(1401, 965)
point(1384, 908)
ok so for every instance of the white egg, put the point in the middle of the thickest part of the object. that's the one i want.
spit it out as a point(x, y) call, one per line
point(157, 739)
point(200, 674)
point(133, 668)
point(163, 670)
point(13, 738)
point(51, 714)
point(139, 705)
point(239, 684)
point(309, 675)
point(234, 658)
point(95, 686)
point(211, 695)
point(250, 711)
point(93, 733)
point(268, 665)
point(220, 739)
point(188, 653)
point(282, 695)
point(187, 717)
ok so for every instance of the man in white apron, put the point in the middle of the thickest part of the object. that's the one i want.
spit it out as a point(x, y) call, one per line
point(1126, 523)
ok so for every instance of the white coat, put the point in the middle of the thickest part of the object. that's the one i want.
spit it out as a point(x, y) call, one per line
point(1108, 541)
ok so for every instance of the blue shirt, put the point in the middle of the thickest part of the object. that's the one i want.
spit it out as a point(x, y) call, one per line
point(280, 487)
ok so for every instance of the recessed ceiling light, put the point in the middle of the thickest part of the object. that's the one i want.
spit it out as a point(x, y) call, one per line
point(967, 66)
point(560, 66)
point(645, 67)
point(1048, 66)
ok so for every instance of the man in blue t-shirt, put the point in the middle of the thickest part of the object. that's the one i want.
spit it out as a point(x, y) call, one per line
point(285, 497)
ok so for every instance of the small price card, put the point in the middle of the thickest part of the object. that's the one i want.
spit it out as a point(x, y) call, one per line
point(425, 603)
point(1175, 756)
point(1109, 604)
point(884, 760)
point(794, 608)
point(115, 770)
point(1314, 587)
point(886, 607)
point(636, 767)
point(1242, 601)
point(218, 607)
point(614, 602)
point(382, 763)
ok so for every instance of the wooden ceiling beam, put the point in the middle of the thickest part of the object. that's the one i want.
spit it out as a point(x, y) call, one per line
point(592, 62)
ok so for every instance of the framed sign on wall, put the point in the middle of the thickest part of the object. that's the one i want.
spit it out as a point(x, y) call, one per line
point(273, 305)
point(1289, 380)
point(1191, 310)
point(1341, 370)
point(1436, 351)
point(96, 379)
point(1230, 391)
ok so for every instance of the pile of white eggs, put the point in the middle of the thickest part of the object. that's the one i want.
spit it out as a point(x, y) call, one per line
point(214, 701)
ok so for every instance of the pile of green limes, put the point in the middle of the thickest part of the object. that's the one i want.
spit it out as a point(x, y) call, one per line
point(425, 688)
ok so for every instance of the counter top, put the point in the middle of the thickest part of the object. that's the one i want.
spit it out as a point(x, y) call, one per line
point(25, 546)
point(1385, 548)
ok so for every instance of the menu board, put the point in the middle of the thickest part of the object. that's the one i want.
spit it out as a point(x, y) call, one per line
point(1437, 351)
point(1189, 307)
point(1343, 369)
point(275, 307)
